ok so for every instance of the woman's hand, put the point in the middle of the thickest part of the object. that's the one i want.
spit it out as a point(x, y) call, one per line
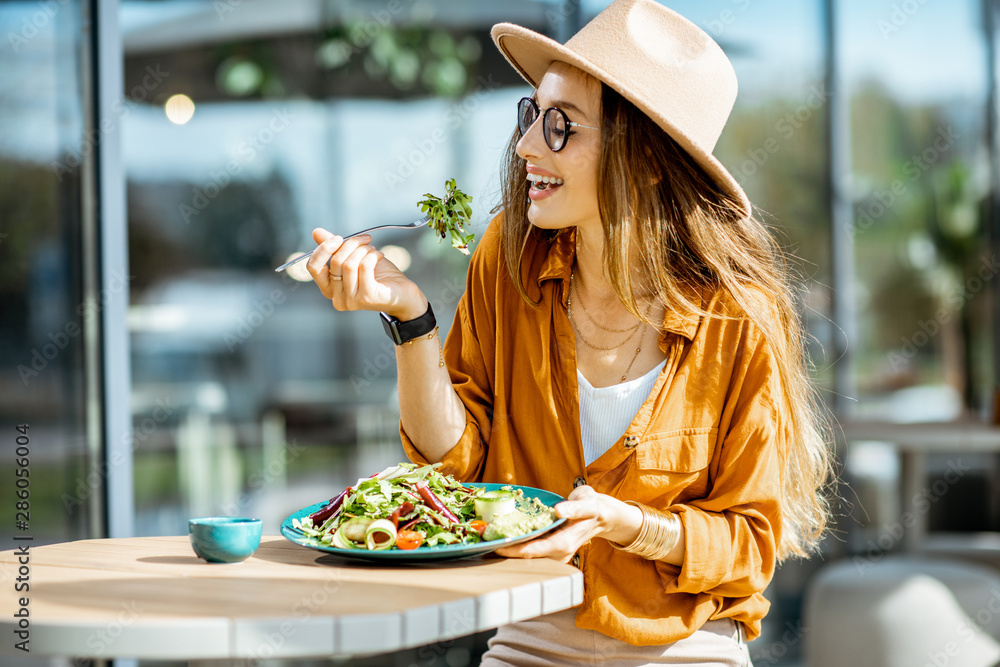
point(590, 514)
point(356, 276)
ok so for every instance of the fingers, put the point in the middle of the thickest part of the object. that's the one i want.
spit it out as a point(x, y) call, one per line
point(349, 270)
point(560, 545)
point(582, 503)
point(569, 509)
point(318, 263)
point(366, 273)
point(326, 265)
point(345, 251)
point(360, 287)
point(319, 235)
point(540, 548)
point(516, 551)
point(581, 492)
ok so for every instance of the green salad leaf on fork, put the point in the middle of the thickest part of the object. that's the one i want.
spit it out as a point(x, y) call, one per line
point(450, 215)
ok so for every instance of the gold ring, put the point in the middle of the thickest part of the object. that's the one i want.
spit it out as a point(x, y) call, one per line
point(333, 277)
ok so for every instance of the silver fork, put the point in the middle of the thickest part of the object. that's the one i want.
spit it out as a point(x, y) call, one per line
point(411, 225)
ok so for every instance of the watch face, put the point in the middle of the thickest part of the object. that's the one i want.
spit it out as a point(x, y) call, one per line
point(389, 324)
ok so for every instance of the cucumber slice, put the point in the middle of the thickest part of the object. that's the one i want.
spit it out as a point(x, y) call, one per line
point(381, 535)
point(494, 503)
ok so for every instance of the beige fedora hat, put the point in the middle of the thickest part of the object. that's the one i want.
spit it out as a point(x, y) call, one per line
point(655, 58)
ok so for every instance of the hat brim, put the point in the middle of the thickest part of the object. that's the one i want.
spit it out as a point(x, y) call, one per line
point(531, 54)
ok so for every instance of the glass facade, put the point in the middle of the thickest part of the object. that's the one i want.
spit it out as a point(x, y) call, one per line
point(49, 317)
point(920, 183)
point(245, 126)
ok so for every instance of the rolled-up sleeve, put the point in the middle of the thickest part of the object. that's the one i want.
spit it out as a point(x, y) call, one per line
point(731, 535)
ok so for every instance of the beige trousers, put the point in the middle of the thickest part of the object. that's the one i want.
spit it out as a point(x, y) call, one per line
point(554, 640)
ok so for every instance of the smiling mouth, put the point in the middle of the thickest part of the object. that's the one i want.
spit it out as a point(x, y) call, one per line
point(539, 182)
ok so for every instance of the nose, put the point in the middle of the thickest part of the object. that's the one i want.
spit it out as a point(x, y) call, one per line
point(531, 142)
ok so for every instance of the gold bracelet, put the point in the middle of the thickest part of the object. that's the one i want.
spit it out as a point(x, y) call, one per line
point(428, 337)
point(658, 535)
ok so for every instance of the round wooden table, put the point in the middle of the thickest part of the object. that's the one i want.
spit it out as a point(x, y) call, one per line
point(151, 597)
point(914, 442)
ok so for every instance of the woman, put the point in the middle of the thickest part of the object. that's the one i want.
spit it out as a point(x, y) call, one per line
point(627, 339)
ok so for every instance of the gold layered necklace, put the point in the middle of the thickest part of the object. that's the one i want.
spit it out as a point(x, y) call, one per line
point(630, 330)
point(590, 317)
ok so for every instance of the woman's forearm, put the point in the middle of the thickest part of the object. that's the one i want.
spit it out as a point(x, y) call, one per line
point(431, 412)
point(356, 276)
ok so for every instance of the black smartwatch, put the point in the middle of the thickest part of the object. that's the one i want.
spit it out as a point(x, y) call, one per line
point(404, 332)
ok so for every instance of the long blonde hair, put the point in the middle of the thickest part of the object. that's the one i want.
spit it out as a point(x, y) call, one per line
point(688, 234)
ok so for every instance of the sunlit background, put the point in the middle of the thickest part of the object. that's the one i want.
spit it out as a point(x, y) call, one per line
point(245, 125)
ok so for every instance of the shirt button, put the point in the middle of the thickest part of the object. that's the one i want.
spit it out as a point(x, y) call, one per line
point(576, 561)
point(579, 481)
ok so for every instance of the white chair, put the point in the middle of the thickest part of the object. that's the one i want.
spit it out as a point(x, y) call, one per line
point(903, 611)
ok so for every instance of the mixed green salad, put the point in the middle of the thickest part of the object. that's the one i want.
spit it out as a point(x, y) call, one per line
point(408, 506)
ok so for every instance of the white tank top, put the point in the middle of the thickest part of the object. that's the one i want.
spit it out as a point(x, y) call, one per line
point(606, 412)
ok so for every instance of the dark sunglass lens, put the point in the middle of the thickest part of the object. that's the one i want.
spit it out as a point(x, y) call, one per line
point(527, 112)
point(555, 129)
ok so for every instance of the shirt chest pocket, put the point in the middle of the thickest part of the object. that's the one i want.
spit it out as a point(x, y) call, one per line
point(673, 467)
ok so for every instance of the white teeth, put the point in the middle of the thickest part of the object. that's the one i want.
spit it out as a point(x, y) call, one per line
point(537, 178)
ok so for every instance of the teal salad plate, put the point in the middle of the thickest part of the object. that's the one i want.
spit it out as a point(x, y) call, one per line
point(424, 554)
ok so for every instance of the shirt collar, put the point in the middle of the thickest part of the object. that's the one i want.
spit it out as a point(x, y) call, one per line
point(558, 264)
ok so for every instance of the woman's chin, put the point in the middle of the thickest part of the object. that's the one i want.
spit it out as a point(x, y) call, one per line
point(542, 220)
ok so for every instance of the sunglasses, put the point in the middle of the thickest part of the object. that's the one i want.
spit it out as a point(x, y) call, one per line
point(555, 124)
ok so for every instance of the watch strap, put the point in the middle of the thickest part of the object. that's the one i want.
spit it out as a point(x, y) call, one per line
point(404, 332)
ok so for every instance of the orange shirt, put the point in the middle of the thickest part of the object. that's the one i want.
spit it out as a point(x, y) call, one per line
point(707, 444)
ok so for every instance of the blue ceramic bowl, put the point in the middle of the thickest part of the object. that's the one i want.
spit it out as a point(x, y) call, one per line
point(223, 539)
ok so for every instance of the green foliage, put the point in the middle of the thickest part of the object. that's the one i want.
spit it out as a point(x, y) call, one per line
point(449, 215)
point(410, 58)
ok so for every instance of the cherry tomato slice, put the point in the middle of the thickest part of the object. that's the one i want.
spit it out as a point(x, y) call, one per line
point(408, 539)
point(479, 525)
